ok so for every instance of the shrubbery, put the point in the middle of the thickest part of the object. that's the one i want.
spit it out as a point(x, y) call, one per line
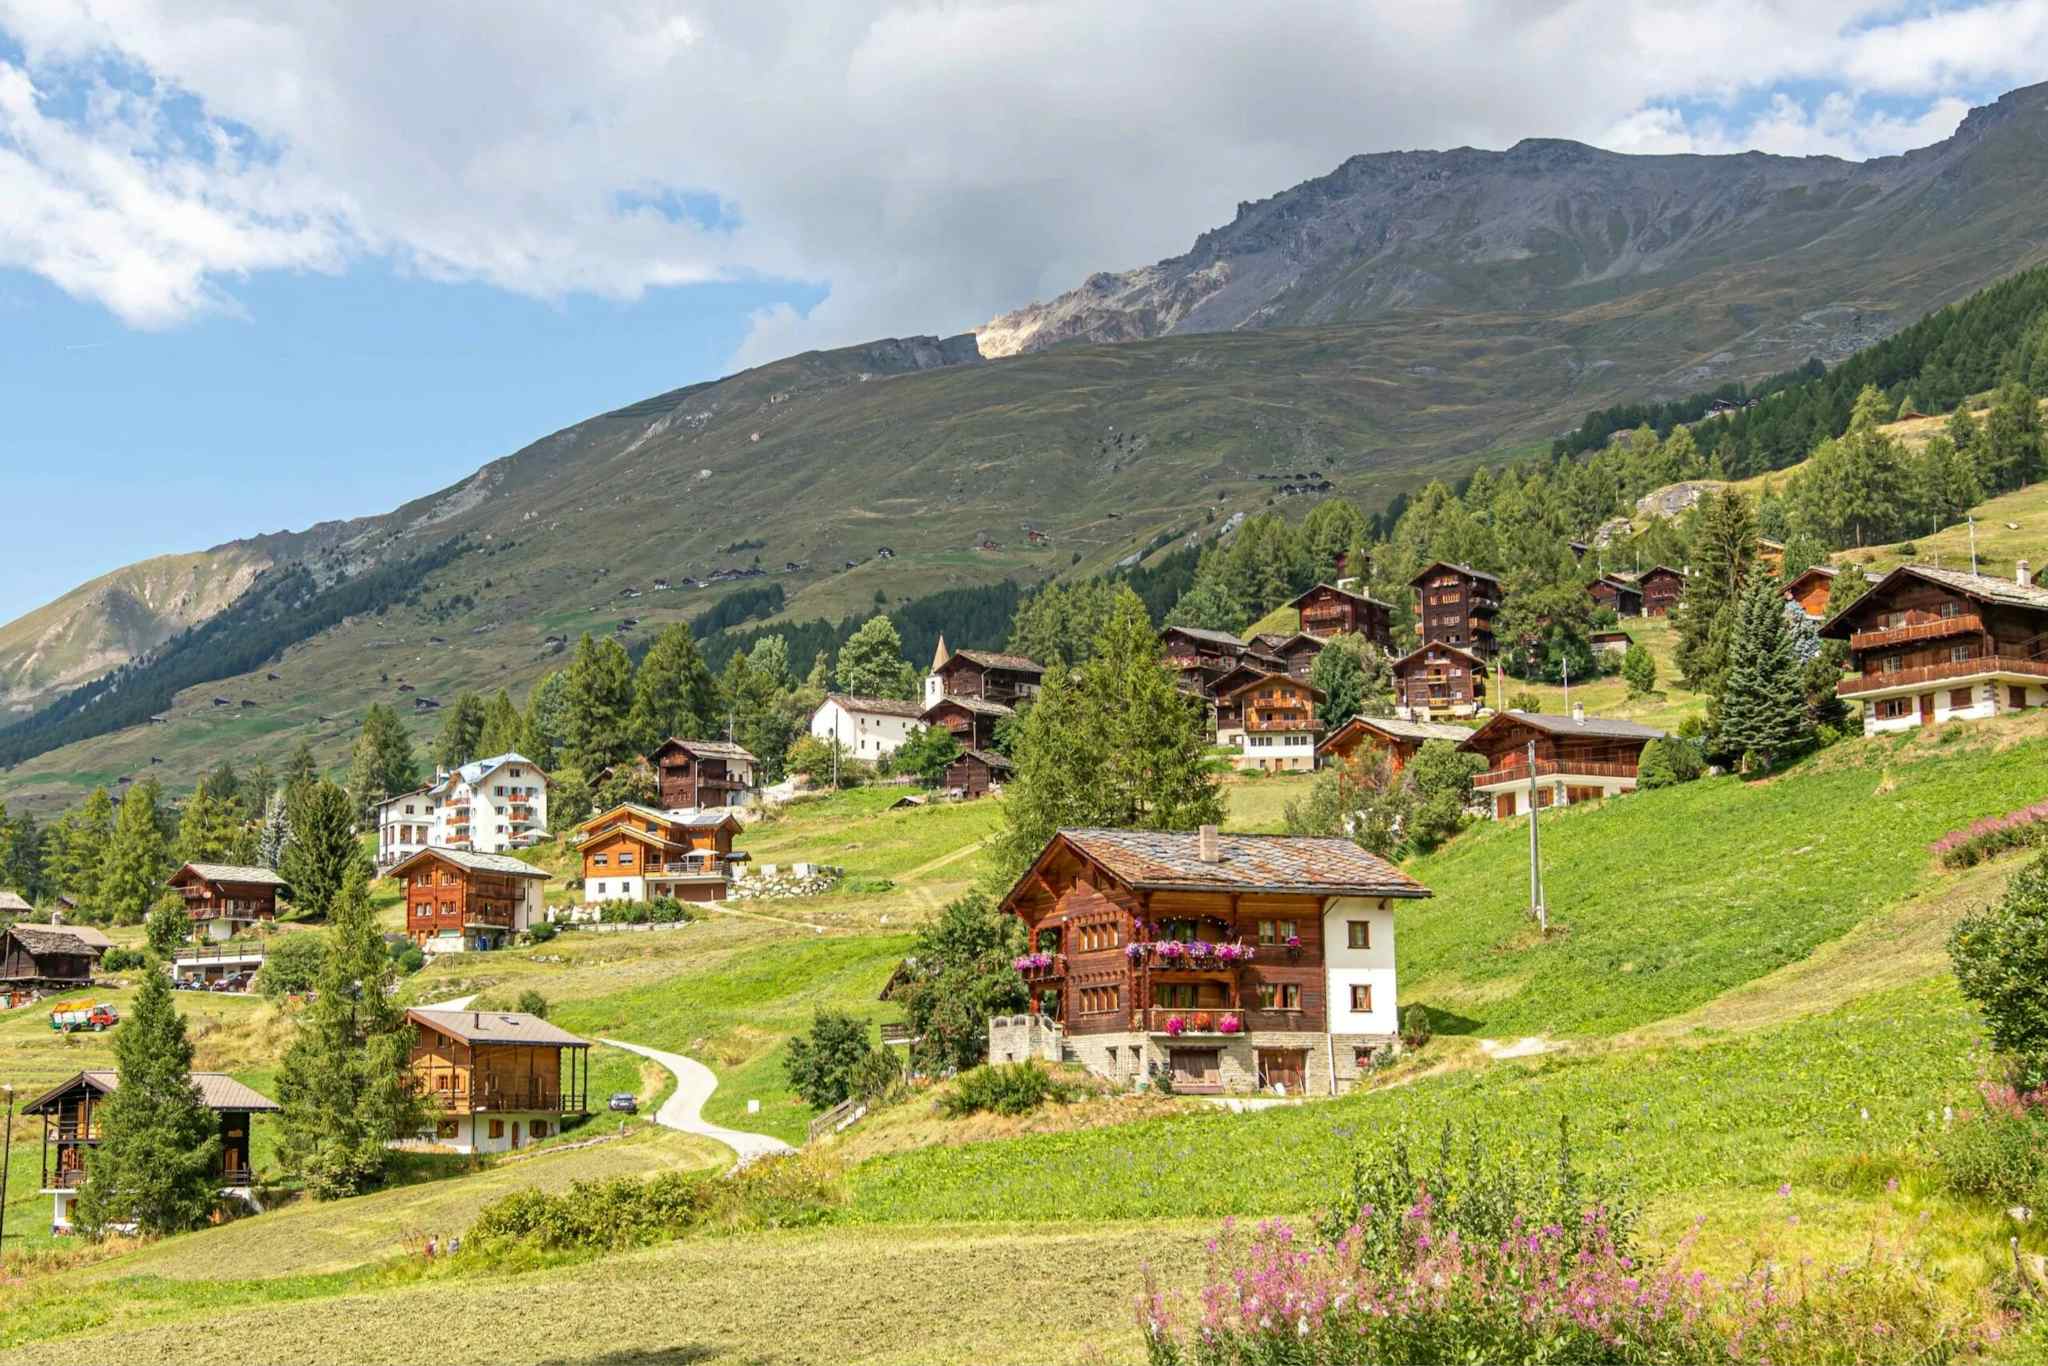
point(2000, 955)
point(822, 1064)
point(2002, 1155)
point(2026, 828)
point(1669, 762)
point(120, 959)
point(291, 965)
point(1013, 1088)
point(774, 1192)
point(658, 910)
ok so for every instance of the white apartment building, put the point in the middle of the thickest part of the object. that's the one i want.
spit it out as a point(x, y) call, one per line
point(405, 826)
point(870, 728)
point(491, 805)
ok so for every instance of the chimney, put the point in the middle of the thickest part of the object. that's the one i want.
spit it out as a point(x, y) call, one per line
point(2025, 575)
point(1579, 712)
point(1208, 852)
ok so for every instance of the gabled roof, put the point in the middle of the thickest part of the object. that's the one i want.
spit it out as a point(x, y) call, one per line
point(477, 770)
point(1659, 569)
point(1463, 654)
point(1259, 676)
point(1275, 641)
point(986, 756)
point(217, 1091)
point(706, 749)
point(60, 938)
point(1346, 593)
point(1420, 732)
point(1977, 587)
point(978, 705)
point(1615, 581)
point(13, 903)
point(877, 706)
point(1592, 727)
point(402, 796)
point(1464, 569)
point(1203, 633)
point(1150, 860)
point(475, 863)
point(497, 1026)
point(228, 872)
point(992, 659)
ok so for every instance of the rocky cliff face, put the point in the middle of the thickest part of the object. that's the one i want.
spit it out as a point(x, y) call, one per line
point(1549, 226)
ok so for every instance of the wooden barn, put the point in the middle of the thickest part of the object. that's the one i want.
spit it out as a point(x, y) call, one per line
point(976, 772)
point(54, 957)
point(1618, 596)
point(701, 773)
point(1662, 587)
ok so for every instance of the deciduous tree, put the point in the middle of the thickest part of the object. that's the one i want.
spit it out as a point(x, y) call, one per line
point(871, 663)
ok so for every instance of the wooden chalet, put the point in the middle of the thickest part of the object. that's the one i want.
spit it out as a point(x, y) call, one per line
point(1928, 645)
point(1399, 739)
point(1298, 651)
point(1662, 587)
point(1440, 679)
point(1199, 657)
point(1810, 590)
point(1268, 718)
point(455, 899)
point(49, 957)
point(1227, 962)
point(633, 852)
point(1618, 596)
point(495, 1080)
point(1770, 556)
point(1610, 642)
point(1327, 610)
point(1456, 605)
point(972, 720)
point(71, 1130)
point(976, 772)
point(1578, 759)
point(986, 674)
point(224, 899)
point(690, 774)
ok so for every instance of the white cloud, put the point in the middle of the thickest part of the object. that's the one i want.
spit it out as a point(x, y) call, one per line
point(931, 164)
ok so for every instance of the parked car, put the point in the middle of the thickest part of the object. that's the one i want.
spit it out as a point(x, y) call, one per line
point(625, 1102)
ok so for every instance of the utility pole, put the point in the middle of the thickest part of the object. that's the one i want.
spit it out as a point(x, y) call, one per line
point(6, 1156)
point(1536, 906)
point(1567, 684)
point(1973, 545)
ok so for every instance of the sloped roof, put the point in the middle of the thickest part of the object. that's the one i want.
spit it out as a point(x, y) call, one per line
point(476, 863)
point(978, 705)
point(1152, 860)
point(1625, 585)
point(707, 749)
point(1276, 641)
point(1980, 587)
point(1348, 593)
point(217, 1091)
point(497, 1026)
point(1460, 651)
point(992, 659)
point(13, 903)
point(1659, 569)
point(230, 872)
point(60, 938)
point(1259, 676)
point(477, 770)
point(1465, 569)
point(879, 706)
point(1597, 727)
point(1419, 731)
point(987, 756)
point(1203, 633)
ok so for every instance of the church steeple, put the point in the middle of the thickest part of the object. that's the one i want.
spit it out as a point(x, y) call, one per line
point(941, 655)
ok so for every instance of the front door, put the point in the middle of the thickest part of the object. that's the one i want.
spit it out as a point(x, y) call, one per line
point(1195, 1069)
point(1283, 1069)
point(1927, 709)
point(1504, 805)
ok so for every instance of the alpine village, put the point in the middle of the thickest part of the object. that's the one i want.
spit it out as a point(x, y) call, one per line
point(1572, 895)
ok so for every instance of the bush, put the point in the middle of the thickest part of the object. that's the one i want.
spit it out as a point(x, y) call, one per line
point(1669, 762)
point(541, 931)
point(1012, 1088)
point(2001, 1156)
point(119, 959)
point(774, 1192)
point(821, 1065)
point(1640, 670)
point(531, 1002)
point(660, 910)
point(411, 959)
point(878, 1077)
point(1415, 1030)
point(291, 965)
point(2000, 955)
point(2026, 828)
point(1525, 701)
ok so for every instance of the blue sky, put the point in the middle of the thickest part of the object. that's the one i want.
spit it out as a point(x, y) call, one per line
point(262, 266)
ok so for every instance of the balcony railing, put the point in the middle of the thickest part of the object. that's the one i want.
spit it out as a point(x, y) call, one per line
point(702, 867)
point(502, 1099)
point(1047, 972)
point(1941, 673)
point(1158, 1020)
point(1967, 624)
point(1555, 768)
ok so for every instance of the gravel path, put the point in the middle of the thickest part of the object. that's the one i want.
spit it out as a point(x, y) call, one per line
point(685, 1109)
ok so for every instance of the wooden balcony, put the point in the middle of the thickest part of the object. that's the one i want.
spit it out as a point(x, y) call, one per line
point(1942, 673)
point(1052, 972)
point(1156, 1018)
point(1553, 768)
point(503, 1100)
point(1968, 624)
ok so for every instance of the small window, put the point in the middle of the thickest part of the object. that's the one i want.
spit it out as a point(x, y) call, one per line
point(1279, 996)
point(1959, 699)
point(600, 860)
point(1358, 933)
point(1361, 997)
point(600, 889)
point(497, 1128)
point(1958, 654)
point(625, 858)
point(447, 1128)
point(1893, 663)
point(538, 1128)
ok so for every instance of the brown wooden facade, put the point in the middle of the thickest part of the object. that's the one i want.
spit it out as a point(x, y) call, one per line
point(1298, 651)
point(1811, 589)
point(446, 896)
point(700, 773)
point(1662, 587)
point(49, 955)
point(1327, 610)
point(685, 857)
point(972, 720)
point(1603, 755)
point(1618, 596)
point(1003, 678)
point(1439, 677)
point(217, 892)
point(462, 1076)
point(1398, 740)
point(1456, 605)
point(976, 772)
point(1923, 641)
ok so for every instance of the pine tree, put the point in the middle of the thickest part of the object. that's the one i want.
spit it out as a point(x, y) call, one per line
point(1724, 547)
point(673, 694)
point(210, 829)
point(542, 730)
point(598, 696)
point(301, 767)
point(462, 730)
point(323, 849)
point(1848, 585)
point(344, 1085)
point(153, 1165)
point(21, 855)
point(1761, 711)
point(1355, 681)
point(381, 765)
point(871, 663)
point(276, 833)
point(137, 858)
point(82, 853)
point(503, 726)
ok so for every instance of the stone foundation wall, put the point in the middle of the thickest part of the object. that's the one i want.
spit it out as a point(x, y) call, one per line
point(1128, 1057)
point(1021, 1038)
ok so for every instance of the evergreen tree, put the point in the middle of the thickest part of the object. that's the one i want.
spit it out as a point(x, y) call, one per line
point(1761, 710)
point(462, 731)
point(1333, 527)
point(344, 1085)
point(1354, 678)
point(300, 768)
point(673, 694)
point(21, 856)
point(1724, 548)
point(1640, 669)
point(1060, 621)
point(210, 829)
point(82, 850)
point(503, 727)
point(138, 857)
point(276, 833)
point(871, 663)
point(153, 1165)
point(598, 697)
point(570, 801)
point(1848, 585)
point(2011, 452)
point(323, 850)
point(1209, 604)
point(544, 729)
point(169, 925)
point(381, 765)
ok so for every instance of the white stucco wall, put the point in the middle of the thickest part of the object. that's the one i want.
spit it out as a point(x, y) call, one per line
point(615, 888)
point(1988, 697)
point(1555, 785)
point(1373, 966)
point(866, 735)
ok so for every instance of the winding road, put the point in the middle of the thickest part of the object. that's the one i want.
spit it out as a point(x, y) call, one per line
point(684, 1110)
